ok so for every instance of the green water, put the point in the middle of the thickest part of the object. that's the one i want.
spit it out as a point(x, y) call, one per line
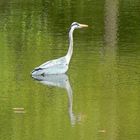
point(98, 98)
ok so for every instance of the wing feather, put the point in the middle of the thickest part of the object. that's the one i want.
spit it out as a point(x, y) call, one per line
point(52, 63)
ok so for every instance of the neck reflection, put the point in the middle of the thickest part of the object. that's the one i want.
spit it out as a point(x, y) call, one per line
point(61, 81)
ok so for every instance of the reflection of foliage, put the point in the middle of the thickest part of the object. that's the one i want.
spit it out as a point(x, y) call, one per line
point(129, 21)
point(105, 82)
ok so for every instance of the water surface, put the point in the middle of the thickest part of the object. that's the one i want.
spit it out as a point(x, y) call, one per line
point(98, 98)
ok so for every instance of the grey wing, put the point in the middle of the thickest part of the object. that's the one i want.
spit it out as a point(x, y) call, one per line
point(52, 63)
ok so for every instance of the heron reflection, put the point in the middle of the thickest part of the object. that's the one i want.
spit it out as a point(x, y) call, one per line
point(61, 81)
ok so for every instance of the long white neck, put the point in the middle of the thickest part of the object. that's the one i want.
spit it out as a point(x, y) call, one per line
point(70, 50)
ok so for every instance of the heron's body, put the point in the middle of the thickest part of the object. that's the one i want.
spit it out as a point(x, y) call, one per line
point(60, 65)
point(57, 66)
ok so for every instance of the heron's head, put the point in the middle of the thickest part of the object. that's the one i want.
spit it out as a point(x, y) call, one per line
point(77, 25)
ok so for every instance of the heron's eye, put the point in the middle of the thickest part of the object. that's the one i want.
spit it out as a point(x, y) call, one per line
point(75, 24)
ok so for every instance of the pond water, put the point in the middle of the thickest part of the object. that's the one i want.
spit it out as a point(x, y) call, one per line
point(99, 96)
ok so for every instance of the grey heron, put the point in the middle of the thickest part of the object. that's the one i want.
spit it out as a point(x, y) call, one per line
point(60, 65)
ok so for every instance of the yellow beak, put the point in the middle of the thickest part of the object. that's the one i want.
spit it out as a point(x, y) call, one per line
point(83, 25)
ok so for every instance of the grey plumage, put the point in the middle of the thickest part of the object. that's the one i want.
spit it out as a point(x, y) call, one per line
point(60, 65)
